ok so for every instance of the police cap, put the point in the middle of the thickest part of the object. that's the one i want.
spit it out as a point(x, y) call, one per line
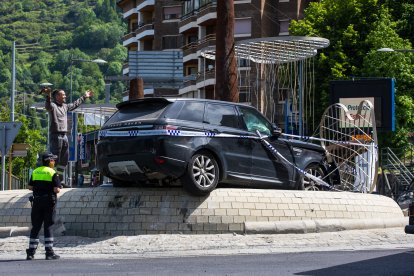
point(47, 156)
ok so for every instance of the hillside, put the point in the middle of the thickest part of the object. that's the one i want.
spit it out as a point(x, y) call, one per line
point(51, 33)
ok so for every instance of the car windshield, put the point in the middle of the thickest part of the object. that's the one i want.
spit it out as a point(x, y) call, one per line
point(142, 110)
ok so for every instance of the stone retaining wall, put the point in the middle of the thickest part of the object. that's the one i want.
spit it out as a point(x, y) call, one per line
point(107, 211)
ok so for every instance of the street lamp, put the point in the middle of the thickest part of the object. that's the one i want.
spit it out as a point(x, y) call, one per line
point(97, 61)
point(394, 50)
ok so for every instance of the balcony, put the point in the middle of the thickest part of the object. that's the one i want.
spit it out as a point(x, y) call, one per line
point(130, 13)
point(145, 5)
point(189, 84)
point(208, 40)
point(206, 78)
point(207, 14)
point(189, 51)
point(188, 22)
point(125, 68)
point(145, 30)
point(129, 39)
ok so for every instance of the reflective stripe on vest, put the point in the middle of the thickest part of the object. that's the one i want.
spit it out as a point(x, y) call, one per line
point(43, 174)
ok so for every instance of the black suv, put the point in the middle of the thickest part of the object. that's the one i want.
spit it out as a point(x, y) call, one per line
point(201, 143)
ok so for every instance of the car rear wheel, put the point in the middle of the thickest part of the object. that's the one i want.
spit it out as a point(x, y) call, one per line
point(309, 184)
point(202, 174)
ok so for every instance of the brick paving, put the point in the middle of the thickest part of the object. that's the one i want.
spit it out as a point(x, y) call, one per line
point(96, 212)
point(172, 245)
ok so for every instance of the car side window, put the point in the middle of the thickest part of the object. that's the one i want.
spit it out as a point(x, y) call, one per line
point(192, 111)
point(255, 121)
point(222, 115)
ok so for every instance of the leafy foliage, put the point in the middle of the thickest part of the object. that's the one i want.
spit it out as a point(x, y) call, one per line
point(356, 29)
point(55, 39)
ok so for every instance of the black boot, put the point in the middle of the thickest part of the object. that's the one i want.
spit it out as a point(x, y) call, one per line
point(50, 255)
point(30, 254)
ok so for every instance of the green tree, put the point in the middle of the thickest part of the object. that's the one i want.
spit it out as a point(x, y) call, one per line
point(355, 28)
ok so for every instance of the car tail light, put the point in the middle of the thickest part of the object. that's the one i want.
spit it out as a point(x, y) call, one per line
point(159, 160)
point(167, 127)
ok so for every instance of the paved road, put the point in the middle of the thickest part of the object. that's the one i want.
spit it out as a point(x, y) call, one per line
point(149, 246)
point(338, 263)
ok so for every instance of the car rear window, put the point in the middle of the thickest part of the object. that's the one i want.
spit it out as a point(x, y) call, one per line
point(142, 110)
point(192, 111)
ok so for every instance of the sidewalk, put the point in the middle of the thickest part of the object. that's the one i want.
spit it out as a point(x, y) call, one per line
point(165, 245)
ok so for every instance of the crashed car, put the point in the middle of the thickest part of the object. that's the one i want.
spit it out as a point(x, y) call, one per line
point(200, 143)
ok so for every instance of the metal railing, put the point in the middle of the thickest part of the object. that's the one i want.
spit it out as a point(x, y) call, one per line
point(397, 172)
point(15, 184)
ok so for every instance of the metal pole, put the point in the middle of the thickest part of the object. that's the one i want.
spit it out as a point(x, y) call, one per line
point(71, 63)
point(10, 168)
point(107, 92)
point(13, 87)
point(300, 81)
point(3, 170)
point(48, 134)
point(69, 174)
point(3, 159)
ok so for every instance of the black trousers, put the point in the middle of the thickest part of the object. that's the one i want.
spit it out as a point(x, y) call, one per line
point(59, 145)
point(43, 213)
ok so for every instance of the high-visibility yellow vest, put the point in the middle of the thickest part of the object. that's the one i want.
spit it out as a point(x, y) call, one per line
point(43, 174)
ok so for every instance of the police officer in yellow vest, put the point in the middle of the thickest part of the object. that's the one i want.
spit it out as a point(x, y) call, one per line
point(45, 185)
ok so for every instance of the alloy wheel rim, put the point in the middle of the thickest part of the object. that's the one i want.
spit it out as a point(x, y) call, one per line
point(308, 183)
point(204, 171)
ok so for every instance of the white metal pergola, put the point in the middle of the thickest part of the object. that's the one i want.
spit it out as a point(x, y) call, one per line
point(278, 50)
point(281, 49)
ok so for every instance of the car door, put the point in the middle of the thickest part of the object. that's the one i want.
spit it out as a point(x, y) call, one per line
point(224, 124)
point(267, 168)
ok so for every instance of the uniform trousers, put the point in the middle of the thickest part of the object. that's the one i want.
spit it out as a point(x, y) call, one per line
point(43, 213)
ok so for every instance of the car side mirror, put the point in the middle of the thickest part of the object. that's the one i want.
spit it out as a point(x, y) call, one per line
point(276, 131)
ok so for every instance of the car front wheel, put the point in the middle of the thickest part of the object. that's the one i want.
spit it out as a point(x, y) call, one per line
point(309, 184)
point(202, 174)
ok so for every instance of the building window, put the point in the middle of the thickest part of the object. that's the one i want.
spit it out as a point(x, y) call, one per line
point(171, 13)
point(190, 6)
point(284, 27)
point(243, 27)
point(170, 42)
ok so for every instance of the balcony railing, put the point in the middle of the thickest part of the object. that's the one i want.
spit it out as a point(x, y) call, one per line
point(208, 7)
point(189, 80)
point(128, 36)
point(202, 76)
point(142, 27)
point(190, 48)
point(208, 40)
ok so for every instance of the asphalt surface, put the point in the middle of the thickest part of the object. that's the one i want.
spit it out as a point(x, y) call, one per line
point(393, 262)
point(173, 245)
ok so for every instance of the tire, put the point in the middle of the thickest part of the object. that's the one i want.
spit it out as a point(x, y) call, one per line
point(311, 185)
point(202, 174)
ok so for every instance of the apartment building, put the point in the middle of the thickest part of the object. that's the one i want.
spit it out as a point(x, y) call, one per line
point(166, 38)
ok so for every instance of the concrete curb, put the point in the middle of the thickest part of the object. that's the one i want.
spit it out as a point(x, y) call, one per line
point(280, 227)
point(13, 231)
point(317, 226)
